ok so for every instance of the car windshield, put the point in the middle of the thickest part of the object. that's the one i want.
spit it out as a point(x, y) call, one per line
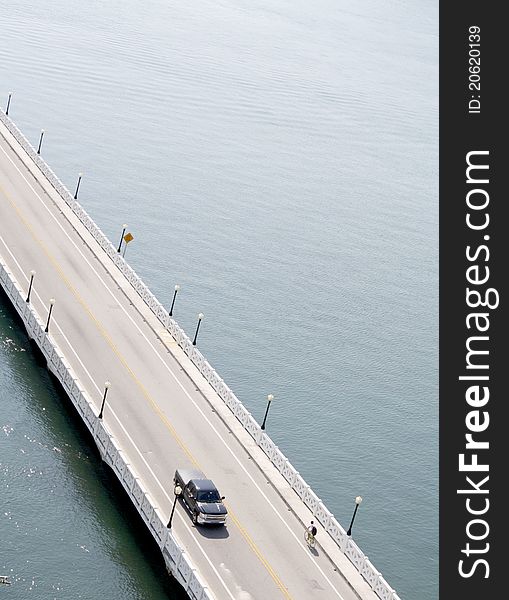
point(208, 496)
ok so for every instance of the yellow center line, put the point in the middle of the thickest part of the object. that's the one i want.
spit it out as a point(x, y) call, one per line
point(142, 388)
point(260, 556)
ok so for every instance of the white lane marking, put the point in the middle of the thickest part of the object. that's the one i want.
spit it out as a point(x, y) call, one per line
point(184, 522)
point(111, 411)
point(240, 593)
point(276, 512)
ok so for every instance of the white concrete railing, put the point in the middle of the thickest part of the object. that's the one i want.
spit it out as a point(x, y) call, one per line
point(278, 459)
point(175, 556)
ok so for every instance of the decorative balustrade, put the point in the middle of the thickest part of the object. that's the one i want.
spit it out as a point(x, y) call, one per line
point(278, 459)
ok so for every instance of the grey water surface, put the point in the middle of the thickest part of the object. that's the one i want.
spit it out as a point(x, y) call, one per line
point(279, 160)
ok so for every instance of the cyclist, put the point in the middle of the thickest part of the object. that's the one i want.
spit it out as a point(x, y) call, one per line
point(312, 529)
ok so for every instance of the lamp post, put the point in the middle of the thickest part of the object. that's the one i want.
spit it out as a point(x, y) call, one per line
point(177, 288)
point(32, 275)
point(270, 397)
point(124, 227)
point(200, 317)
point(358, 500)
point(177, 491)
point(80, 175)
point(40, 142)
point(106, 388)
point(51, 304)
point(8, 104)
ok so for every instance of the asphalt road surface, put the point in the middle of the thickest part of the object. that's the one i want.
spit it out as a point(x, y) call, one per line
point(161, 411)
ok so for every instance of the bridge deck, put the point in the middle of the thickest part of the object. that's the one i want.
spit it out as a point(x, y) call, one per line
point(160, 409)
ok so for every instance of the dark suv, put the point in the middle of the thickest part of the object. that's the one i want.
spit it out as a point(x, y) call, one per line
point(201, 497)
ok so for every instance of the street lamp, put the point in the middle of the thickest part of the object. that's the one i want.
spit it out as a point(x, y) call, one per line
point(80, 175)
point(177, 288)
point(32, 275)
point(270, 397)
point(40, 142)
point(177, 491)
point(124, 227)
point(358, 500)
point(51, 304)
point(200, 317)
point(106, 388)
point(8, 104)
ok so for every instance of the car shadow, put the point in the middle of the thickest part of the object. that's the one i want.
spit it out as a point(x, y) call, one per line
point(213, 532)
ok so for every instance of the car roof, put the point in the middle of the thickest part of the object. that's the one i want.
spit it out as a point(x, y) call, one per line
point(204, 484)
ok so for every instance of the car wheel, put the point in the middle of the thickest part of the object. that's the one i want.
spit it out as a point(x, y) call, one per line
point(195, 518)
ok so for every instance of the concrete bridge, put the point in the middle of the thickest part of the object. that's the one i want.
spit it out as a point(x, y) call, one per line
point(95, 321)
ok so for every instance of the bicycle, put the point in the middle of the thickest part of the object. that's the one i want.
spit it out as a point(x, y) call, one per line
point(309, 537)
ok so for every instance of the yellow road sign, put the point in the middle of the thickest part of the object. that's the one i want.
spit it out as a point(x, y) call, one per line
point(128, 237)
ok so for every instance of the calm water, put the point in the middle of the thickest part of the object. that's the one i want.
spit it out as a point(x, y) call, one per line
point(279, 160)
